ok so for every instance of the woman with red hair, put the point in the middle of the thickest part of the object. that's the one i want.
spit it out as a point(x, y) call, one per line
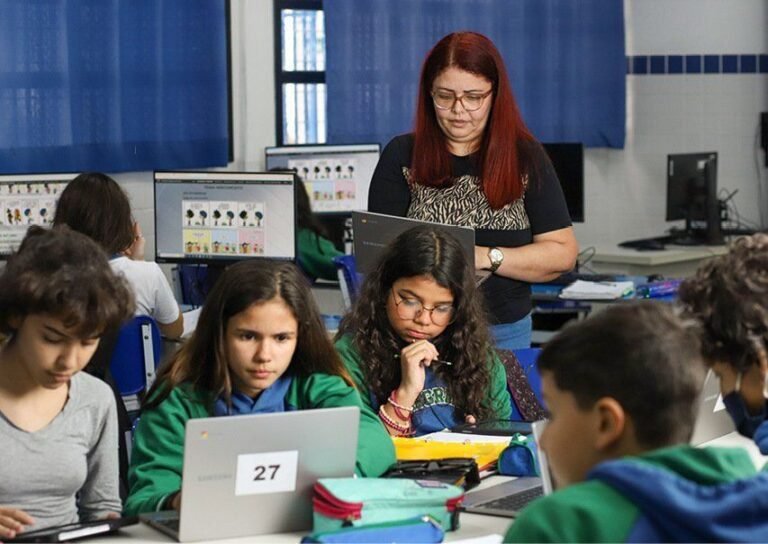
point(471, 161)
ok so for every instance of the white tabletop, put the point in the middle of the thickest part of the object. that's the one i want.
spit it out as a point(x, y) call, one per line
point(473, 526)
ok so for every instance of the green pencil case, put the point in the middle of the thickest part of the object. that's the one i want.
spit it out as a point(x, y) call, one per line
point(353, 502)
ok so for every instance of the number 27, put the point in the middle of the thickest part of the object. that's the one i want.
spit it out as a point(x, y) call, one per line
point(260, 470)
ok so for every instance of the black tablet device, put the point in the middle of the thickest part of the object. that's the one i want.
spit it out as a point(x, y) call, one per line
point(499, 427)
point(75, 531)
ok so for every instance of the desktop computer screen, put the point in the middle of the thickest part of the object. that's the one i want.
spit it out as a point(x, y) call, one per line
point(692, 196)
point(337, 177)
point(27, 200)
point(215, 217)
point(568, 161)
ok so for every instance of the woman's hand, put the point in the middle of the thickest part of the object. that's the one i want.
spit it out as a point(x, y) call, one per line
point(136, 250)
point(413, 360)
point(13, 521)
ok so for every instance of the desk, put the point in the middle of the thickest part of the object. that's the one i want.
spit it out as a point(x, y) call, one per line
point(674, 262)
point(472, 526)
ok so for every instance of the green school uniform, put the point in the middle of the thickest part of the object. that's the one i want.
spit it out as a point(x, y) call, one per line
point(158, 447)
point(594, 511)
point(497, 396)
point(316, 255)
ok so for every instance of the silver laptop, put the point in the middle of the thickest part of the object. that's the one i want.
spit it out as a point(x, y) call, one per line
point(713, 420)
point(508, 498)
point(372, 232)
point(258, 471)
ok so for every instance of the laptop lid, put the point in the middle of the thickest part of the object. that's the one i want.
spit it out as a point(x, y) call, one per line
point(712, 420)
point(374, 231)
point(259, 470)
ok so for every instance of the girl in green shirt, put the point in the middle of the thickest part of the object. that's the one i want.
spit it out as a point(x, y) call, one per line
point(259, 346)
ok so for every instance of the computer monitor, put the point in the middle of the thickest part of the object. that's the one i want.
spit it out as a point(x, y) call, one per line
point(568, 161)
point(692, 196)
point(219, 217)
point(337, 177)
point(25, 200)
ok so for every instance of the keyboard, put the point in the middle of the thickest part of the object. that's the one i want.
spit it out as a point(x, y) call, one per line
point(656, 243)
point(172, 524)
point(513, 503)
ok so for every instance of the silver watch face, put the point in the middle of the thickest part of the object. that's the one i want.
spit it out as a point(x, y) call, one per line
point(496, 256)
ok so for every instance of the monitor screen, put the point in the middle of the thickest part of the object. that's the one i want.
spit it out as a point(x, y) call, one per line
point(568, 161)
point(27, 200)
point(689, 176)
point(209, 217)
point(337, 177)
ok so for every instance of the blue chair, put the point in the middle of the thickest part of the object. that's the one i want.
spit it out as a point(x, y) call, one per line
point(349, 280)
point(135, 358)
point(527, 358)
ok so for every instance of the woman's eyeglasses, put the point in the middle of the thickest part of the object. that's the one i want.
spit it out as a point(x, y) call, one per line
point(409, 308)
point(445, 100)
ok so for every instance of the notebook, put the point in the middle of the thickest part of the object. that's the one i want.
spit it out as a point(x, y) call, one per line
point(253, 474)
point(508, 498)
point(372, 232)
point(712, 420)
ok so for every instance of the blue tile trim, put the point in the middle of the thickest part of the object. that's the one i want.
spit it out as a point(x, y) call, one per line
point(658, 64)
point(693, 64)
point(675, 64)
point(697, 64)
point(748, 64)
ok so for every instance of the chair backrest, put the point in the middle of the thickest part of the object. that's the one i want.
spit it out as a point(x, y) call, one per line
point(136, 355)
point(349, 280)
point(524, 382)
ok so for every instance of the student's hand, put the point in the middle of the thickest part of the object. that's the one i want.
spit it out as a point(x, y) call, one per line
point(413, 360)
point(136, 250)
point(13, 521)
point(469, 419)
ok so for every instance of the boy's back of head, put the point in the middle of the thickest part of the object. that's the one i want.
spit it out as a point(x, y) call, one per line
point(642, 355)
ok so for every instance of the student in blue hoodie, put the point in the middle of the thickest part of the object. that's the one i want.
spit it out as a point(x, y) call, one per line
point(622, 391)
point(729, 295)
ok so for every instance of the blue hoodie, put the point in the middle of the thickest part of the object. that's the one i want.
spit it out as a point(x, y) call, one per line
point(678, 494)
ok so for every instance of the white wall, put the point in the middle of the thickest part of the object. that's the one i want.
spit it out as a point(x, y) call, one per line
point(626, 189)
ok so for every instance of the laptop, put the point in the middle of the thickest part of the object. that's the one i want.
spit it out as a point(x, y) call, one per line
point(253, 474)
point(508, 498)
point(712, 420)
point(372, 232)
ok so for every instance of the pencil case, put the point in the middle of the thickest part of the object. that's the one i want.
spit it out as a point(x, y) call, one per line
point(345, 502)
point(458, 471)
point(413, 530)
point(519, 458)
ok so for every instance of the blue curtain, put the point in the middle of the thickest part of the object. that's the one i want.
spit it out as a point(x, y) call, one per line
point(112, 85)
point(565, 60)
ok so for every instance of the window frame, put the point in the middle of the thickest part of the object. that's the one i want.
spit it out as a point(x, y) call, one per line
point(282, 76)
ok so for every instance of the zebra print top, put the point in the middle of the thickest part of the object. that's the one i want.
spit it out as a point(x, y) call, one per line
point(541, 209)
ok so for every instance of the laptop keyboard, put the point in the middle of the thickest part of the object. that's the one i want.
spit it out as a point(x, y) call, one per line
point(170, 523)
point(513, 503)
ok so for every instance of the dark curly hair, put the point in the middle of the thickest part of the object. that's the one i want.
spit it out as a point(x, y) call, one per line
point(65, 274)
point(424, 251)
point(729, 296)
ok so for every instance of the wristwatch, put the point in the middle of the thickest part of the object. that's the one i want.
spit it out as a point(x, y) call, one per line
point(497, 257)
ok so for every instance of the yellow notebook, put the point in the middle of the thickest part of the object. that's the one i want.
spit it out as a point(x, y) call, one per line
point(485, 450)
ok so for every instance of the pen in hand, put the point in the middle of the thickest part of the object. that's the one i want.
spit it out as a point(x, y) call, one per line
point(434, 361)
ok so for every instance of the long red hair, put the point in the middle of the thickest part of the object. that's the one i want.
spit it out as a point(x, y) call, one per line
point(500, 164)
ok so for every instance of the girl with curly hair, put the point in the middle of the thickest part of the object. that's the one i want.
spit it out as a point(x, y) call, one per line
point(729, 296)
point(416, 341)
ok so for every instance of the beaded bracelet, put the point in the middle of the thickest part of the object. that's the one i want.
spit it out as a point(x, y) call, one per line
point(403, 430)
point(399, 408)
